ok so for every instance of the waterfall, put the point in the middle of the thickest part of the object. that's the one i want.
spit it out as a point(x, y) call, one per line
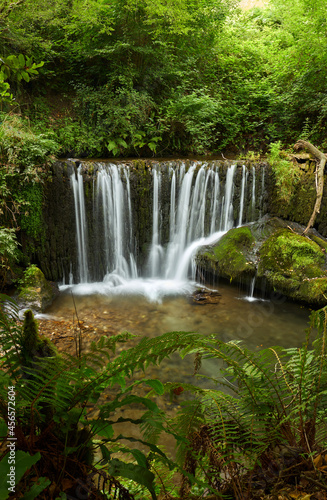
point(193, 221)
point(253, 194)
point(263, 171)
point(227, 221)
point(155, 253)
point(115, 213)
point(214, 209)
point(191, 207)
point(81, 229)
point(178, 240)
point(240, 216)
point(172, 203)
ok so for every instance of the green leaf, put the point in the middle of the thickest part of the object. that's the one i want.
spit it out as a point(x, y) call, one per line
point(102, 428)
point(137, 473)
point(140, 458)
point(26, 76)
point(111, 145)
point(41, 484)
point(21, 60)
point(156, 385)
point(106, 455)
point(22, 462)
point(121, 142)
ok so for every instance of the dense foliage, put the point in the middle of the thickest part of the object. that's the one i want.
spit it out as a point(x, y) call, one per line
point(119, 77)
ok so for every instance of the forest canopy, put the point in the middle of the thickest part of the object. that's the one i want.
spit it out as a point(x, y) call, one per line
point(154, 77)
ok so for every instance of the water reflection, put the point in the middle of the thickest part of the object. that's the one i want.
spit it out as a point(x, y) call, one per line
point(258, 323)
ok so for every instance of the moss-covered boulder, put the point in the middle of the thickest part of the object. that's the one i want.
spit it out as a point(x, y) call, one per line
point(35, 291)
point(230, 257)
point(295, 265)
point(34, 345)
point(276, 253)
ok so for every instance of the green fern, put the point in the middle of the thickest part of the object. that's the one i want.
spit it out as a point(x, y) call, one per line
point(54, 392)
point(265, 401)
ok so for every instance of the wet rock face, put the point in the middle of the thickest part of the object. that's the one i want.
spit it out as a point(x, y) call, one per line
point(55, 249)
point(231, 257)
point(300, 207)
point(276, 253)
point(56, 253)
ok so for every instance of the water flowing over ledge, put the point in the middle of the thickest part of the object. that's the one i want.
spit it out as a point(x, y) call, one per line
point(188, 206)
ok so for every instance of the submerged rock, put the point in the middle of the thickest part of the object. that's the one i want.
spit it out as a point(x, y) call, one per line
point(203, 296)
point(35, 291)
point(276, 252)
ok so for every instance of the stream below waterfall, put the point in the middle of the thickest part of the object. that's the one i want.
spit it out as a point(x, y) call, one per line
point(258, 323)
point(102, 311)
point(117, 285)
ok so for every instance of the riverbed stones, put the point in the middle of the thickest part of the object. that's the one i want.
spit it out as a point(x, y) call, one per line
point(203, 296)
point(277, 254)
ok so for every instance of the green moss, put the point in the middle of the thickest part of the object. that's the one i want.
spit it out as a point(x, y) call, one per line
point(32, 218)
point(290, 253)
point(230, 254)
point(315, 290)
point(322, 243)
point(294, 265)
point(33, 344)
point(33, 277)
point(34, 289)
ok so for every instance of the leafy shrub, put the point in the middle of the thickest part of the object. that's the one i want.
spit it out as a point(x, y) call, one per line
point(122, 120)
point(192, 121)
point(77, 138)
point(22, 149)
point(25, 156)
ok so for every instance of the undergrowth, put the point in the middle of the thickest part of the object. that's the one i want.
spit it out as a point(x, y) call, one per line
point(262, 426)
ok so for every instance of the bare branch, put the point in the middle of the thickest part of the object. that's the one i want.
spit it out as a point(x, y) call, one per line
point(319, 176)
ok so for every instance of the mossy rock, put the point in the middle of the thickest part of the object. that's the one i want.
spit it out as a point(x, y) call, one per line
point(322, 243)
point(294, 265)
point(34, 345)
point(276, 253)
point(230, 256)
point(35, 291)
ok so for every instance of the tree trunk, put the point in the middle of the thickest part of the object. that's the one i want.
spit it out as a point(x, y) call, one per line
point(320, 175)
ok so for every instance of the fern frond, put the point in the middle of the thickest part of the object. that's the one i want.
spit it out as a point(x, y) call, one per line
point(10, 337)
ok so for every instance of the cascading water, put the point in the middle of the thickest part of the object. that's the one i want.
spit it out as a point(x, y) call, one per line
point(114, 211)
point(155, 253)
point(200, 206)
point(253, 193)
point(227, 214)
point(81, 229)
point(244, 175)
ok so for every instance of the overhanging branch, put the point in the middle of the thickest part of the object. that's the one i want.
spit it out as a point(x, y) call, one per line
point(320, 177)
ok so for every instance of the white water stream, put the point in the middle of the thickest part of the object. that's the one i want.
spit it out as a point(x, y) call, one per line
point(201, 210)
